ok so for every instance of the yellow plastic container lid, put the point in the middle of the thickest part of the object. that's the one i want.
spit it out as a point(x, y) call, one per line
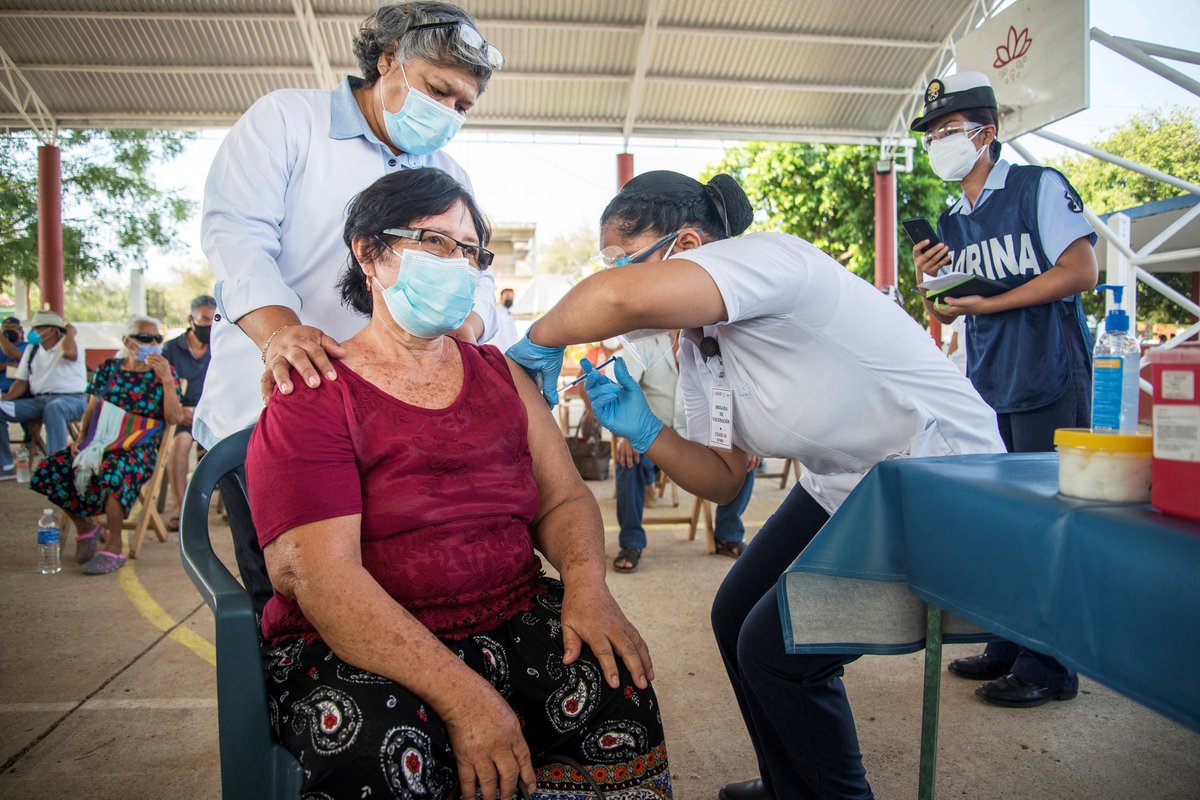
point(1112, 442)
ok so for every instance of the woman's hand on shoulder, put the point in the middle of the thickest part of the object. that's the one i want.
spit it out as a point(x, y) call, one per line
point(489, 749)
point(303, 348)
point(591, 614)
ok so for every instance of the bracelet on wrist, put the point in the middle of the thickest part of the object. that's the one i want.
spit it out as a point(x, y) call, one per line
point(271, 338)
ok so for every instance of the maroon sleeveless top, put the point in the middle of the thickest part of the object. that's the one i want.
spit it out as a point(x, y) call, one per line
point(446, 495)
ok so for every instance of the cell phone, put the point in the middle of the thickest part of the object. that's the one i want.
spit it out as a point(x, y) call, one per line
point(919, 230)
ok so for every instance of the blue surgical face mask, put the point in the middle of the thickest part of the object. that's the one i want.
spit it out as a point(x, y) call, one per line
point(431, 296)
point(148, 350)
point(34, 337)
point(422, 125)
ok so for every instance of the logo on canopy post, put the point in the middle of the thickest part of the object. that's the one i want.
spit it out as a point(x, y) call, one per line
point(1036, 55)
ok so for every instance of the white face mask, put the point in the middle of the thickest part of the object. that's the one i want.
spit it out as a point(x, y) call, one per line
point(953, 157)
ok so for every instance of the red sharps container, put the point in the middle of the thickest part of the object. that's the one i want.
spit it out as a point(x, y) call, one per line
point(1175, 476)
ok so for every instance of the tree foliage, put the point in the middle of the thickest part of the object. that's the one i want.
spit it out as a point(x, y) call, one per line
point(826, 195)
point(567, 253)
point(113, 211)
point(106, 297)
point(1167, 140)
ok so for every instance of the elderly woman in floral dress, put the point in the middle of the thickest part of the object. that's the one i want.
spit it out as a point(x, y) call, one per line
point(103, 470)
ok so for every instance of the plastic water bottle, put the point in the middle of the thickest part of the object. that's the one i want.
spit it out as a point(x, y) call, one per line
point(49, 558)
point(1115, 362)
point(21, 459)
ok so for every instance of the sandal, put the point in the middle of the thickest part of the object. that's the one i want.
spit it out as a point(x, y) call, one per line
point(86, 544)
point(631, 556)
point(103, 563)
point(731, 549)
point(173, 523)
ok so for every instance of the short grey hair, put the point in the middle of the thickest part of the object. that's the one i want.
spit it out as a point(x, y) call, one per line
point(131, 325)
point(204, 301)
point(388, 29)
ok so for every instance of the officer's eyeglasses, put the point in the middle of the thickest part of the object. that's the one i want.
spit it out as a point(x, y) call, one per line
point(950, 130)
point(470, 37)
point(614, 256)
point(439, 244)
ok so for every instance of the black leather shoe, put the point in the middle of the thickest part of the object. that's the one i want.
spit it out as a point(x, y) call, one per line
point(1013, 692)
point(979, 668)
point(745, 790)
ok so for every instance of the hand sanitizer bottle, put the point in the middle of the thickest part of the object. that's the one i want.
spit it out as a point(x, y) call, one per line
point(1115, 362)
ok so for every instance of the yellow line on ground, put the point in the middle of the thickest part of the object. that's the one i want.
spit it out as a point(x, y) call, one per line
point(151, 610)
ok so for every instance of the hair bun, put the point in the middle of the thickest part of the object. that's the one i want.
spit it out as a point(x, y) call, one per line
point(738, 210)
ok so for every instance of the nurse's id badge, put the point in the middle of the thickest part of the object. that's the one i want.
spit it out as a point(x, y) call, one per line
point(720, 418)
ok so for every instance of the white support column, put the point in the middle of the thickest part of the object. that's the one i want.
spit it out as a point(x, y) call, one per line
point(310, 31)
point(1120, 271)
point(20, 299)
point(137, 292)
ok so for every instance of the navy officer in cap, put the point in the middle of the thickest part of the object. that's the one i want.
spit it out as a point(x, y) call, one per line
point(1028, 348)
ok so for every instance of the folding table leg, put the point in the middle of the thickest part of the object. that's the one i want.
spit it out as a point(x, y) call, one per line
point(929, 705)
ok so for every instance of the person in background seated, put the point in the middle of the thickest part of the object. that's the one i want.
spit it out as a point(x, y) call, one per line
point(413, 646)
point(104, 469)
point(12, 347)
point(188, 355)
point(48, 387)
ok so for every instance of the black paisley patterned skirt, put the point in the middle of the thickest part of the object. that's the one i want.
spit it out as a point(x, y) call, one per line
point(358, 735)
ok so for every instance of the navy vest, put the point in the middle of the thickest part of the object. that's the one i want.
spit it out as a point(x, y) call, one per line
point(1021, 359)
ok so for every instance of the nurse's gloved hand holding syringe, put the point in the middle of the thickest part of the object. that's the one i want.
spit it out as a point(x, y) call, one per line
point(621, 406)
point(543, 365)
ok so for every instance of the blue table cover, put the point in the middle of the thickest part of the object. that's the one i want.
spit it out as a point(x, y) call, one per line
point(1110, 590)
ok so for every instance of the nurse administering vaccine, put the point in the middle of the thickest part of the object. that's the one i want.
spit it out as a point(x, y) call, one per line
point(786, 353)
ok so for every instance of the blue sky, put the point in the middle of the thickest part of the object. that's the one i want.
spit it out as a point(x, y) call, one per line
point(529, 178)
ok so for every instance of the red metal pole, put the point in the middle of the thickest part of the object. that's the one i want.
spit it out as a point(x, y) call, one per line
point(624, 169)
point(935, 330)
point(885, 225)
point(50, 242)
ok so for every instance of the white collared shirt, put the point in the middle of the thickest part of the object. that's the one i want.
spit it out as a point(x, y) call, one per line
point(50, 373)
point(271, 227)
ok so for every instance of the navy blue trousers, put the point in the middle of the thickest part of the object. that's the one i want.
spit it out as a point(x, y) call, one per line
point(1033, 432)
point(794, 706)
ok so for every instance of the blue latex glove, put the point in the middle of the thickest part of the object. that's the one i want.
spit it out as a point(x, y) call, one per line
point(543, 365)
point(621, 407)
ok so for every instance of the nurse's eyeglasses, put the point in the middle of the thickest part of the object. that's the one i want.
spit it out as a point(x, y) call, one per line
point(470, 37)
point(615, 257)
point(147, 338)
point(439, 244)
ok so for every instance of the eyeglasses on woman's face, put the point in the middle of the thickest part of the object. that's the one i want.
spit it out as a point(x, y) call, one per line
point(615, 256)
point(147, 338)
point(950, 129)
point(441, 244)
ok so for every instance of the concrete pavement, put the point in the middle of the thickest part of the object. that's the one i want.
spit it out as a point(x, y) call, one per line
point(107, 688)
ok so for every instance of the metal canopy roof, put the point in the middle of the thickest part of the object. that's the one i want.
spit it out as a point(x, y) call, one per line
point(831, 70)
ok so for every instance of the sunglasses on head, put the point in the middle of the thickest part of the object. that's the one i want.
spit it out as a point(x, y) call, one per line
point(147, 338)
point(470, 38)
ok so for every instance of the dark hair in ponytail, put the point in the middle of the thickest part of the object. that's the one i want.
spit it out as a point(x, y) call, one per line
point(986, 116)
point(663, 201)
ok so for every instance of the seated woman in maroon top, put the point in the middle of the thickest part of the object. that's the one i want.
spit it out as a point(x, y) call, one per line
point(413, 645)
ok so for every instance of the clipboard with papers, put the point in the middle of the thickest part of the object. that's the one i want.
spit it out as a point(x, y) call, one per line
point(960, 284)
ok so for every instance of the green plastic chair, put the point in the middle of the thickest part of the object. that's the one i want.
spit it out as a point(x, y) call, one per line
point(253, 765)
